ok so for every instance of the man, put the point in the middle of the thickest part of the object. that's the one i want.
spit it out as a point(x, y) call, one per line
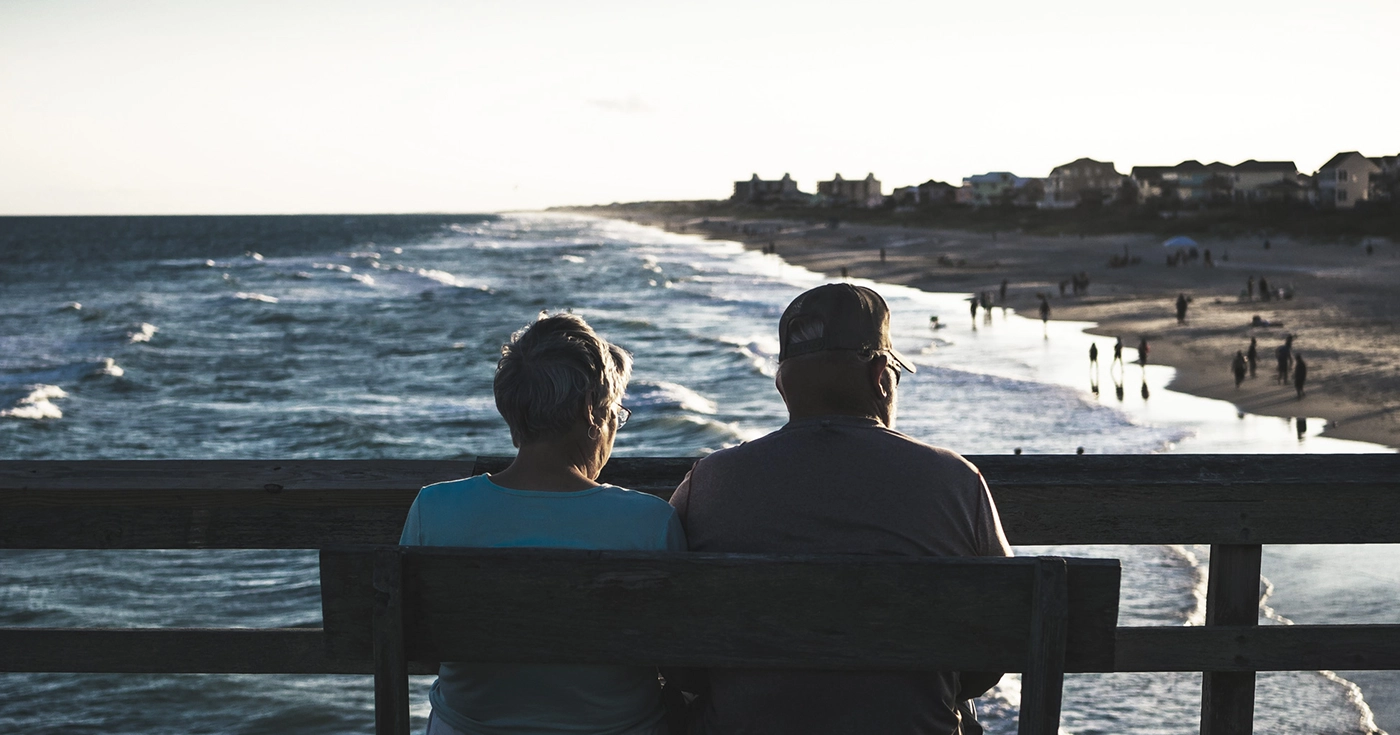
point(839, 479)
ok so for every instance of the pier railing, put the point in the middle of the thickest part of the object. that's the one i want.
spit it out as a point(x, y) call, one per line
point(1234, 503)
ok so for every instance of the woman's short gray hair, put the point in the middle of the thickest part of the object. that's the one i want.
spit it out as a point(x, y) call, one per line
point(555, 372)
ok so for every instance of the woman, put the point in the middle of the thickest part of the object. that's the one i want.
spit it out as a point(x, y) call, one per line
point(559, 387)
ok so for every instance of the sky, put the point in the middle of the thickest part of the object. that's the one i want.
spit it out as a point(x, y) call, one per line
point(117, 107)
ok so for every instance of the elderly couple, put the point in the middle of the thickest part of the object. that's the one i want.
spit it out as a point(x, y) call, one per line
point(836, 479)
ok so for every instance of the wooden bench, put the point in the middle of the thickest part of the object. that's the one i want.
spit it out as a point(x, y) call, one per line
point(1234, 503)
point(1041, 616)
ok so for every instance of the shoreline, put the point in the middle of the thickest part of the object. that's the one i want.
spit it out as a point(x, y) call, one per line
point(1341, 313)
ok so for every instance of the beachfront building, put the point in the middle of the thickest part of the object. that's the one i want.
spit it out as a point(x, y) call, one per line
point(928, 194)
point(1345, 180)
point(1267, 181)
point(1148, 180)
point(1386, 186)
point(1000, 188)
point(760, 191)
point(1084, 181)
point(1189, 182)
point(935, 193)
point(864, 193)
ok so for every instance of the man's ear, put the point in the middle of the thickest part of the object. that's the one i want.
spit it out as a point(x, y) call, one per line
point(881, 382)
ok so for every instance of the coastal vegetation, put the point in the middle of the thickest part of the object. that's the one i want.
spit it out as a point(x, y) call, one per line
point(1370, 219)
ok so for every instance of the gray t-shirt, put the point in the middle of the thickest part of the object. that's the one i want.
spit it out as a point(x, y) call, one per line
point(837, 485)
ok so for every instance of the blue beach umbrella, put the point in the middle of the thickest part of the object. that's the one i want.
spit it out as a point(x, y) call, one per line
point(1180, 241)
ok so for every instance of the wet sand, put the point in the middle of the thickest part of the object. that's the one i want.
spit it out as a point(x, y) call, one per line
point(1342, 313)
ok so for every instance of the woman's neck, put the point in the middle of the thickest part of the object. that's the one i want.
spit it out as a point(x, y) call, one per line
point(547, 466)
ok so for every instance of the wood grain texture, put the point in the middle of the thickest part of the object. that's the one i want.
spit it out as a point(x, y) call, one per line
point(1152, 499)
point(1042, 684)
point(1259, 648)
point(1232, 598)
point(175, 651)
point(390, 653)
point(302, 650)
point(739, 611)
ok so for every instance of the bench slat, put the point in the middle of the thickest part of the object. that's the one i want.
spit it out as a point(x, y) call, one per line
point(302, 650)
point(860, 612)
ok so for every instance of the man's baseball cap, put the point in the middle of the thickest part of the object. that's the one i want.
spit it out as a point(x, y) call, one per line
point(850, 318)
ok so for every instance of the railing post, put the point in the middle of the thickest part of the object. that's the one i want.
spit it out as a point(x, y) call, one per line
point(1042, 683)
point(390, 655)
point(1232, 598)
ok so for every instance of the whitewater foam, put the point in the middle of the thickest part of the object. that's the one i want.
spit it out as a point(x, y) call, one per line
point(36, 404)
point(663, 394)
point(143, 333)
point(251, 296)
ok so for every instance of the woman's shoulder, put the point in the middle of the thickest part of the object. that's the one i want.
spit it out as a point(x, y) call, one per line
point(453, 488)
point(634, 500)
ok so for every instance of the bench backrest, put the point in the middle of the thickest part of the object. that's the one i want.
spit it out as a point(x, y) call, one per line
point(724, 610)
point(1042, 616)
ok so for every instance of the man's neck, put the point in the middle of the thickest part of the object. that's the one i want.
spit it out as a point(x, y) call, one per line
point(821, 413)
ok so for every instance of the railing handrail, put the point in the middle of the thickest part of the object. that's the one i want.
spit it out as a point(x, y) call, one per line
point(1103, 499)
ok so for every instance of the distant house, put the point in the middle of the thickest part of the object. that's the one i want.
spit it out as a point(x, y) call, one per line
point(932, 193)
point(1148, 180)
point(1345, 180)
point(928, 194)
point(1000, 188)
point(759, 191)
point(1258, 181)
point(905, 196)
point(1081, 181)
point(1386, 186)
point(864, 193)
point(1189, 182)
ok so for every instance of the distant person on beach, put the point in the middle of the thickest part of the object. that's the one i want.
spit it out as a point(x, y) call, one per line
point(1142, 351)
point(1181, 303)
point(974, 309)
point(1093, 355)
point(1264, 294)
point(1044, 310)
point(1003, 291)
point(559, 387)
point(1118, 352)
point(838, 479)
point(1253, 355)
point(1300, 375)
point(1239, 367)
point(1284, 354)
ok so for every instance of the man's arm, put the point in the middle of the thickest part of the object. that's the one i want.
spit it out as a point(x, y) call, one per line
point(991, 541)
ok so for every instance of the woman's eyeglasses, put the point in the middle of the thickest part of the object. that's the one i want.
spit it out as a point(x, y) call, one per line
point(623, 413)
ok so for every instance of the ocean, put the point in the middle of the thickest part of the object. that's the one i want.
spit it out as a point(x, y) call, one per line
point(376, 336)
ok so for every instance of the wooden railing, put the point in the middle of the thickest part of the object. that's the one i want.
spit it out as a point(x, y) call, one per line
point(1235, 503)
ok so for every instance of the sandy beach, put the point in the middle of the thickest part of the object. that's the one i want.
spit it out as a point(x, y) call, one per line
point(1342, 312)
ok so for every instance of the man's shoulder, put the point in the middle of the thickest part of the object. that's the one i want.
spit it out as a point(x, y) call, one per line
point(909, 449)
point(880, 443)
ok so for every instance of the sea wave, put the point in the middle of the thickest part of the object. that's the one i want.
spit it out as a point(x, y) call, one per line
point(35, 404)
point(252, 296)
point(663, 395)
point(142, 333)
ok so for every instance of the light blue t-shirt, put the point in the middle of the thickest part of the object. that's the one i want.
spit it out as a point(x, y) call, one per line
point(516, 699)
